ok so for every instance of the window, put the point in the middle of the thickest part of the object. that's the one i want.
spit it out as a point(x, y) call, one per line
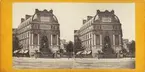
point(55, 27)
point(106, 19)
point(116, 39)
point(45, 19)
point(98, 39)
point(54, 39)
point(35, 40)
point(27, 34)
point(97, 27)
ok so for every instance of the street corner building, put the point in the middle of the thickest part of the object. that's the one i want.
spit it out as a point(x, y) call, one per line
point(39, 32)
point(101, 34)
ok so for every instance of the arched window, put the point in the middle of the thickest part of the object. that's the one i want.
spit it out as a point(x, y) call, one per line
point(116, 39)
point(35, 39)
point(97, 39)
point(54, 39)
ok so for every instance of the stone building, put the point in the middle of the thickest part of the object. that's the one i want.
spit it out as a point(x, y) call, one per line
point(41, 27)
point(101, 33)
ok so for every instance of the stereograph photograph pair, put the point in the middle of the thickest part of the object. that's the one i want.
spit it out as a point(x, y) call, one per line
point(67, 35)
point(73, 35)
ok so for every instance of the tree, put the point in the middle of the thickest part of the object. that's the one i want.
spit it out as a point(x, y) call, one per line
point(132, 47)
point(16, 43)
point(78, 46)
point(124, 50)
point(69, 48)
point(61, 51)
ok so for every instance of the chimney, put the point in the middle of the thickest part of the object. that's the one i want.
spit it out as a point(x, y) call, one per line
point(84, 21)
point(89, 17)
point(22, 20)
point(75, 31)
point(27, 16)
point(36, 10)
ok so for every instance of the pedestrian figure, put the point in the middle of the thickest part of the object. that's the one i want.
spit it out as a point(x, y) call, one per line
point(36, 54)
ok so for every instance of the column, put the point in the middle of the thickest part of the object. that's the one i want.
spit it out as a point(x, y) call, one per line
point(29, 38)
point(57, 39)
point(90, 43)
point(113, 39)
point(29, 46)
point(119, 39)
point(51, 39)
point(38, 39)
point(32, 38)
point(94, 39)
point(100, 39)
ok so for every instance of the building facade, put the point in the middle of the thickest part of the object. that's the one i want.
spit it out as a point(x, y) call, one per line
point(14, 34)
point(101, 33)
point(39, 32)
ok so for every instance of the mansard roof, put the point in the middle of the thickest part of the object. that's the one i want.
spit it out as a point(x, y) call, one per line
point(97, 19)
point(100, 14)
point(46, 13)
point(106, 13)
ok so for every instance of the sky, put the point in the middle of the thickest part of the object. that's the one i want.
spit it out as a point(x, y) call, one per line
point(70, 15)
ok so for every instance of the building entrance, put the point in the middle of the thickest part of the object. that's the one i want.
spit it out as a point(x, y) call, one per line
point(107, 49)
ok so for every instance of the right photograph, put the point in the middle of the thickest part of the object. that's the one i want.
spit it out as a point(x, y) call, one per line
point(108, 38)
point(102, 36)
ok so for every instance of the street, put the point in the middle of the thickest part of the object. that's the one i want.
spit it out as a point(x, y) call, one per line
point(65, 63)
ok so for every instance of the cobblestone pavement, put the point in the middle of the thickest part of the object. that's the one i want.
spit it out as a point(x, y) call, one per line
point(63, 63)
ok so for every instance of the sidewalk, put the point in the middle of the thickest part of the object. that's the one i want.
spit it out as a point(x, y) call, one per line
point(28, 63)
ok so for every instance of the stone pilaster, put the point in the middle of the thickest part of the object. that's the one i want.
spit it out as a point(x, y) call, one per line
point(100, 39)
point(94, 39)
point(57, 40)
point(119, 39)
point(51, 39)
point(113, 39)
point(32, 38)
point(38, 39)
point(29, 38)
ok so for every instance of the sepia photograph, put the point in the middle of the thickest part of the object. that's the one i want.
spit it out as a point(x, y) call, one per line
point(73, 35)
